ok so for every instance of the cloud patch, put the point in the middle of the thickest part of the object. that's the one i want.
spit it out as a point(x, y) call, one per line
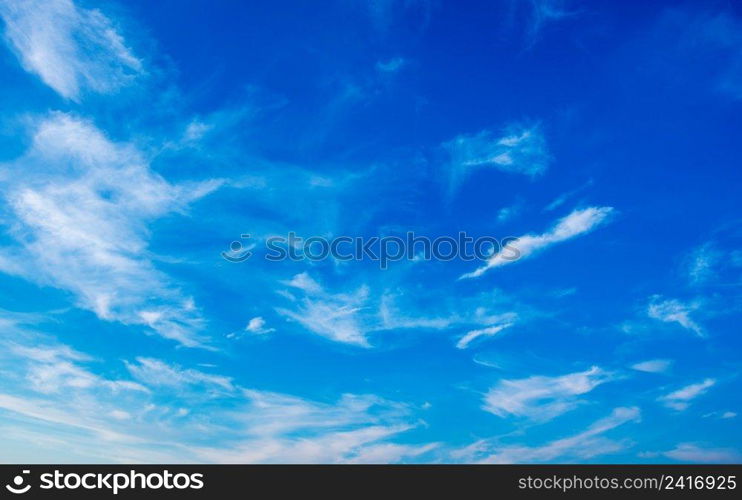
point(693, 453)
point(80, 206)
point(652, 366)
point(472, 335)
point(674, 311)
point(333, 316)
point(520, 149)
point(70, 48)
point(578, 448)
point(543, 398)
point(681, 399)
point(577, 223)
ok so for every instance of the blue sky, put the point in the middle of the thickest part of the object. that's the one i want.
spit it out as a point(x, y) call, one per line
point(138, 139)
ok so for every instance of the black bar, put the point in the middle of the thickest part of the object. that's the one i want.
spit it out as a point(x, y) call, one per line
point(369, 481)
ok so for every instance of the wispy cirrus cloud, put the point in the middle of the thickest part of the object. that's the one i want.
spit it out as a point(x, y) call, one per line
point(694, 453)
point(702, 263)
point(578, 222)
point(674, 311)
point(58, 369)
point(157, 373)
point(543, 398)
point(520, 149)
point(579, 447)
point(472, 335)
point(80, 205)
point(281, 428)
point(69, 47)
point(334, 316)
point(173, 413)
point(89, 216)
point(681, 399)
point(715, 263)
point(249, 427)
point(55, 389)
point(479, 317)
point(257, 326)
point(352, 315)
point(652, 366)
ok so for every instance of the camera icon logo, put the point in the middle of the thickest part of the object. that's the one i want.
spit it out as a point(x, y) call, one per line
point(17, 486)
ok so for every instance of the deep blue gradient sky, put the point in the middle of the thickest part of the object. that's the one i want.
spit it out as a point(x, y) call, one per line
point(138, 139)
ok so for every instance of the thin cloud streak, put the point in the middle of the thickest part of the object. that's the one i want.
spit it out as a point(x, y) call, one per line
point(577, 223)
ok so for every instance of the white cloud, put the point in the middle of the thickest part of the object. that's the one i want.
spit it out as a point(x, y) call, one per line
point(723, 415)
point(171, 420)
point(702, 264)
point(542, 398)
point(386, 453)
point(156, 373)
point(689, 452)
point(80, 206)
point(120, 415)
point(653, 366)
point(472, 335)
point(579, 447)
point(53, 388)
point(680, 399)
point(57, 369)
point(257, 325)
point(488, 323)
point(347, 446)
point(576, 223)
point(68, 47)
point(521, 149)
point(351, 316)
point(248, 427)
point(282, 429)
point(304, 282)
point(47, 354)
point(674, 311)
point(507, 213)
point(49, 412)
point(333, 316)
point(195, 131)
point(715, 263)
